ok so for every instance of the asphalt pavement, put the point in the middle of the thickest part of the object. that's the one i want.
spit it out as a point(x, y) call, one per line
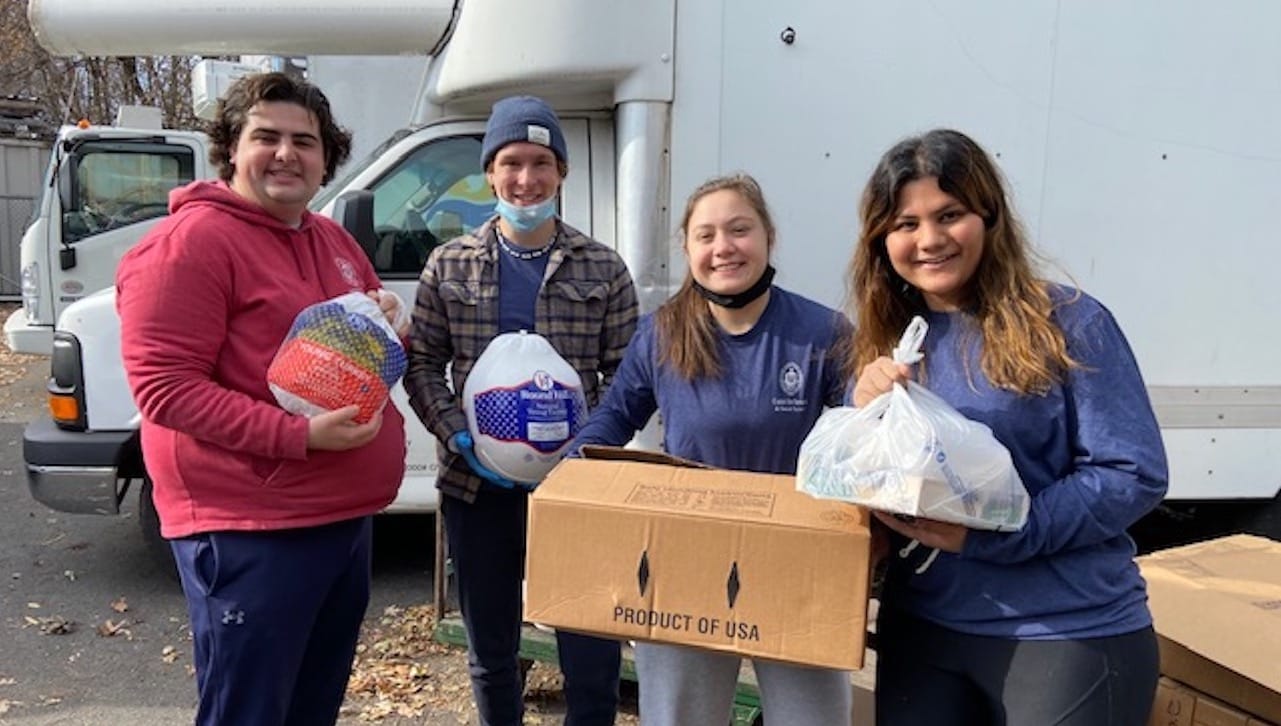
point(93, 626)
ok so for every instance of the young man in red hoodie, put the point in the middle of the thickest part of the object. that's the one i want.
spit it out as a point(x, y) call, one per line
point(268, 512)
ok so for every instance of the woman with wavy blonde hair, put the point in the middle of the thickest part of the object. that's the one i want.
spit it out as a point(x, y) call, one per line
point(1049, 624)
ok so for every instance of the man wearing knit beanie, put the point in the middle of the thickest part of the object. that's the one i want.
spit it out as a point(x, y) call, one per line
point(522, 118)
point(524, 269)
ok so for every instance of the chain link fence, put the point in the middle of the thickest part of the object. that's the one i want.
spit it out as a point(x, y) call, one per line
point(15, 212)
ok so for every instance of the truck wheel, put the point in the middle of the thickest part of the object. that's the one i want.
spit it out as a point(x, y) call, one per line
point(149, 521)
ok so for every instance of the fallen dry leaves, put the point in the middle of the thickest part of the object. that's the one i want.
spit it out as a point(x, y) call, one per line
point(14, 367)
point(53, 625)
point(110, 628)
point(401, 672)
point(5, 703)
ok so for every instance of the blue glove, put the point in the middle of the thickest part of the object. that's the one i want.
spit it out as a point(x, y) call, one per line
point(462, 443)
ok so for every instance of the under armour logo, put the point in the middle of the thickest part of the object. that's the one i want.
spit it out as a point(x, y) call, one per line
point(233, 617)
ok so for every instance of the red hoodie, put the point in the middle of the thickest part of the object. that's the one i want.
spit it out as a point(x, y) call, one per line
point(205, 300)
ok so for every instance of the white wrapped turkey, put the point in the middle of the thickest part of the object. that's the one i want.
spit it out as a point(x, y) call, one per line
point(524, 404)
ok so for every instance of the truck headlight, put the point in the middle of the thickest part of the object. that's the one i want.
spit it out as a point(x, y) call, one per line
point(66, 383)
point(31, 291)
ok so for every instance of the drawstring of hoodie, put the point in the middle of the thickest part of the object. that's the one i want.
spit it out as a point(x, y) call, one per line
point(929, 560)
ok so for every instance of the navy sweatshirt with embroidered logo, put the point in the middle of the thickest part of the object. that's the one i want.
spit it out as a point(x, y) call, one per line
point(1090, 454)
point(776, 379)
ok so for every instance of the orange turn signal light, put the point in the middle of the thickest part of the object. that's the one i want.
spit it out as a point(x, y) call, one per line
point(64, 408)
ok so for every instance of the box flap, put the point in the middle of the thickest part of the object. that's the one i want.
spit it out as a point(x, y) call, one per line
point(618, 453)
point(1217, 607)
point(628, 484)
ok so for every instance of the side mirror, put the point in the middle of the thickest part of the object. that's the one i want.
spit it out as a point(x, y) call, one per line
point(354, 210)
point(66, 183)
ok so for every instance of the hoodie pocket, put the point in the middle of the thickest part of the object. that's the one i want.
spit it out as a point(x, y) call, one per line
point(265, 469)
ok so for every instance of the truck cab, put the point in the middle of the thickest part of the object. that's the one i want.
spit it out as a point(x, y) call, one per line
point(104, 187)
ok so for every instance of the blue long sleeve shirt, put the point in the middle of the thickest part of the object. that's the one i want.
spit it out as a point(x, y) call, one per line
point(775, 381)
point(1091, 457)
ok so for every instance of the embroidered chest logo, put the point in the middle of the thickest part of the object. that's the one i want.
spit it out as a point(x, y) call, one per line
point(791, 381)
point(348, 272)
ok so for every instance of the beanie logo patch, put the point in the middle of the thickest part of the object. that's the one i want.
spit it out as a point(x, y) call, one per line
point(540, 135)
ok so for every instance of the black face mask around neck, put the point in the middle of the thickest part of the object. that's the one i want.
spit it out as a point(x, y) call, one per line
point(743, 298)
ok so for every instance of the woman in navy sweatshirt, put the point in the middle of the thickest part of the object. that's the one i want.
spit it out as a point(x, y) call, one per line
point(740, 370)
point(1049, 624)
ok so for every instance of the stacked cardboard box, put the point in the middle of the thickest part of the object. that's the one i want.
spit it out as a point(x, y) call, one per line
point(1217, 611)
point(1178, 705)
point(646, 547)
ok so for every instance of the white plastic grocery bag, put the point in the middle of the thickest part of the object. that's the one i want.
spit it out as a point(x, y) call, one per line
point(909, 452)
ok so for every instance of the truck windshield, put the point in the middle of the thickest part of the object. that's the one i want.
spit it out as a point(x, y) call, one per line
point(118, 184)
point(349, 172)
point(431, 195)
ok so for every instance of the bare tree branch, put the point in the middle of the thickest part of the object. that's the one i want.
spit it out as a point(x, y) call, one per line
point(69, 89)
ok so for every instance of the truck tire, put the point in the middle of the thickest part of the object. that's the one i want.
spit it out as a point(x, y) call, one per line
point(149, 522)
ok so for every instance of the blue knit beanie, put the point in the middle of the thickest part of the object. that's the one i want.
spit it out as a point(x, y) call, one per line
point(522, 118)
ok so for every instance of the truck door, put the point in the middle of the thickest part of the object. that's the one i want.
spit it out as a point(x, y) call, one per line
point(110, 193)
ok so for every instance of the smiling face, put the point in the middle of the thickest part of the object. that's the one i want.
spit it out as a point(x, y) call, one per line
point(935, 243)
point(726, 242)
point(278, 159)
point(524, 174)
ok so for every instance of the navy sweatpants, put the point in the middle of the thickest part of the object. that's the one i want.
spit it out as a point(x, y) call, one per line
point(274, 618)
point(487, 546)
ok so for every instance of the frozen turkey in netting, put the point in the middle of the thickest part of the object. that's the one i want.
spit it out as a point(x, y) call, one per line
point(338, 353)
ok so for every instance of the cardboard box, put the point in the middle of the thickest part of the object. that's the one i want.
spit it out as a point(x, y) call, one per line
point(1217, 611)
point(1174, 706)
point(645, 547)
point(1210, 712)
point(1178, 705)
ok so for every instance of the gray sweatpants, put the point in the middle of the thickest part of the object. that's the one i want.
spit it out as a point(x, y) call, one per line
point(690, 687)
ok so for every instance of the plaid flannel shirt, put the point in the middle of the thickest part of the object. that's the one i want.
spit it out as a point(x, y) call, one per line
point(586, 309)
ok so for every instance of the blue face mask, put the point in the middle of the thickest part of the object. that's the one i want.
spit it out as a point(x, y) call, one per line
point(526, 219)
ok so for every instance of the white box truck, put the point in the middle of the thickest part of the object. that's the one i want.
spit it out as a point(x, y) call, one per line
point(1140, 139)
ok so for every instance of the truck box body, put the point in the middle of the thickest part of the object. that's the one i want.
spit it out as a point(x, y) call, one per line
point(1138, 139)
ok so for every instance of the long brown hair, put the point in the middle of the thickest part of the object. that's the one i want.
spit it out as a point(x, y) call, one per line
point(684, 325)
point(1023, 349)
